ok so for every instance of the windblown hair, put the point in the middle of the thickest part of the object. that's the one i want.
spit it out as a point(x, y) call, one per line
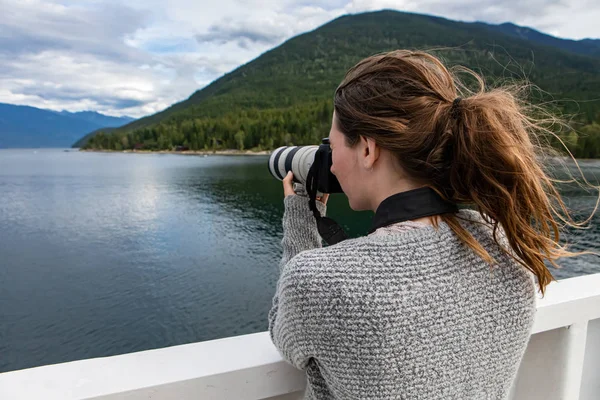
point(482, 152)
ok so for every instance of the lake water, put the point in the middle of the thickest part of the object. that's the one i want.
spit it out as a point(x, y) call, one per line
point(106, 253)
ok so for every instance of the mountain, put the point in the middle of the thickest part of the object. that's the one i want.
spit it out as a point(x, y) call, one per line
point(24, 126)
point(284, 96)
point(590, 47)
point(108, 124)
point(84, 140)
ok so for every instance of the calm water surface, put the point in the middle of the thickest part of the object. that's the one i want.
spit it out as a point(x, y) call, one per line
point(104, 254)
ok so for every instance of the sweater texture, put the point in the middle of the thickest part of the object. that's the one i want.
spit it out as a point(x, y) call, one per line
point(408, 312)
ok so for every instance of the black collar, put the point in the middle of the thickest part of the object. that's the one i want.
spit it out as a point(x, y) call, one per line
point(413, 204)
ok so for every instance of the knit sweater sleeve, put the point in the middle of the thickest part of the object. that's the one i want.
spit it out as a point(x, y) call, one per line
point(299, 227)
point(299, 234)
point(290, 320)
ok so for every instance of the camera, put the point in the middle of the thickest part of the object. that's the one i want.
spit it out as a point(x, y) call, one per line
point(309, 164)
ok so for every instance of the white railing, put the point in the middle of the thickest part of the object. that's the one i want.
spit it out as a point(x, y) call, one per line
point(562, 362)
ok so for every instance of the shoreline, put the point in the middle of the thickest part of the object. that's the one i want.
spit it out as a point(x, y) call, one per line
point(230, 152)
point(234, 152)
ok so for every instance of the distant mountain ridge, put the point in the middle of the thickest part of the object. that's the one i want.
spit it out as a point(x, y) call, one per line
point(27, 127)
point(589, 47)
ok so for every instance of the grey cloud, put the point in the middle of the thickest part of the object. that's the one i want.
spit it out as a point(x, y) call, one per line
point(241, 34)
point(70, 93)
point(57, 56)
point(125, 103)
point(327, 5)
point(188, 65)
point(75, 93)
point(31, 28)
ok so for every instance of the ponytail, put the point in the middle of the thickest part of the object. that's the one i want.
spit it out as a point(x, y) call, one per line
point(496, 168)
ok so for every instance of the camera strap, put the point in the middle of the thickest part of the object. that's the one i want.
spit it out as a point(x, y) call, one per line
point(412, 204)
point(330, 231)
point(400, 207)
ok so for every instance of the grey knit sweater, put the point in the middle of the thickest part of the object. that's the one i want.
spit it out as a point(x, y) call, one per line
point(412, 314)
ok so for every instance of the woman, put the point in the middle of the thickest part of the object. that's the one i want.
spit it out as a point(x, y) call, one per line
point(441, 306)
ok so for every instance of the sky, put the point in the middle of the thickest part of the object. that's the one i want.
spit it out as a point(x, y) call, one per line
point(140, 57)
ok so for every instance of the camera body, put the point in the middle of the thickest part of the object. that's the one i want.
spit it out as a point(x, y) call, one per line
point(300, 160)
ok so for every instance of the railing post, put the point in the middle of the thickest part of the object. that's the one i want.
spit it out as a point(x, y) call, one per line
point(573, 367)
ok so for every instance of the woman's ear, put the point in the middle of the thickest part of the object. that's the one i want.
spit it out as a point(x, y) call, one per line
point(370, 152)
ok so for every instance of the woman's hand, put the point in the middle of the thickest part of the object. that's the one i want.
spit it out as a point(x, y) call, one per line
point(288, 188)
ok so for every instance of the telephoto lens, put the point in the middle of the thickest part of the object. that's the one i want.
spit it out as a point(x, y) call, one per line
point(311, 166)
point(297, 159)
point(301, 160)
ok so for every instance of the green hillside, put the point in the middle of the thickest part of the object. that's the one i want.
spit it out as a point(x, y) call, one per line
point(84, 140)
point(284, 96)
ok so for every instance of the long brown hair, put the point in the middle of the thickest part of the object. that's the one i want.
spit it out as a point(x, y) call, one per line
point(475, 147)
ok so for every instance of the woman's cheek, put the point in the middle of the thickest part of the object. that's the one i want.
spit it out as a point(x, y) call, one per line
point(333, 164)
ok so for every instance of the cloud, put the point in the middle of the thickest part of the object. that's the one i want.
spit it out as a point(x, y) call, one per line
point(230, 31)
point(141, 56)
point(32, 26)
